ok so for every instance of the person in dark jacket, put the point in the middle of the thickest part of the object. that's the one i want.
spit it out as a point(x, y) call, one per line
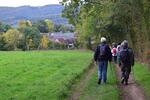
point(127, 60)
point(101, 56)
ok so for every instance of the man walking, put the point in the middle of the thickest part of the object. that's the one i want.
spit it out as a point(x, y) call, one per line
point(127, 60)
point(101, 56)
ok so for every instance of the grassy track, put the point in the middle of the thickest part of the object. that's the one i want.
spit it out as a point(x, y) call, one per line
point(108, 91)
point(40, 75)
point(142, 76)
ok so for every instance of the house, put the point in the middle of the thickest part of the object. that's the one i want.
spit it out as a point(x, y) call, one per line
point(67, 38)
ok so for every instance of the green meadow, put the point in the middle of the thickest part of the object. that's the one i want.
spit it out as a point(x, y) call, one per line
point(40, 75)
point(141, 74)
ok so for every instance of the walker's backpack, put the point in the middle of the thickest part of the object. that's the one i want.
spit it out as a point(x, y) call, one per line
point(125, 57)
point(102, 50)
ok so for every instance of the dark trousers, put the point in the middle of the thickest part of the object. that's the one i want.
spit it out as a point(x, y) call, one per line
point(126, 72)
point(115, 59)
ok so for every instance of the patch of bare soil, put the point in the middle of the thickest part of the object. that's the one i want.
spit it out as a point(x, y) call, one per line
point(132, 91)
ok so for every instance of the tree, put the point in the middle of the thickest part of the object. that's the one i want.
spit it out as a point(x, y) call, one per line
point(115, 19)
point(31, 37)
point(41, 25)
point(24, 23)
point(44, 26)
point(2, 41)
point(63, 28)
point(11, 37)
point(4, 27)
point(44, 42)
point(49, 25)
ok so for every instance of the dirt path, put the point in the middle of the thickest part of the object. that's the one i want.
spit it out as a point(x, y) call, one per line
point(132, 91)
point(80, 86)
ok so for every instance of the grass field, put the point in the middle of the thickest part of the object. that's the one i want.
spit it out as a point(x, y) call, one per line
point(142, 76)
point(108, 91)
point(40, 75)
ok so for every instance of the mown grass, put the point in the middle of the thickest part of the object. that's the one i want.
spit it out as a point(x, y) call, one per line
point(142, 76)
point(108, 91)
point(40, 75)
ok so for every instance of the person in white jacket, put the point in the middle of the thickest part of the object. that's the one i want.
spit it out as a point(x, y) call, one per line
point(114, 52)
point(118, 53)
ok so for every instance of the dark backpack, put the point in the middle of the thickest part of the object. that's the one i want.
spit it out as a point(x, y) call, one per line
point(102, 50)
point(125, 57)
point(131, 56)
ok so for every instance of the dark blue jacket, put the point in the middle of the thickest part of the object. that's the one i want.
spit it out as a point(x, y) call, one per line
point(108, 55)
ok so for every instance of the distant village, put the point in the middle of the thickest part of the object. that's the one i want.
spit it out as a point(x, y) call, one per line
point(67, 38)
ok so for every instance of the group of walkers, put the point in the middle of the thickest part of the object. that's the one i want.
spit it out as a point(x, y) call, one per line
point(121, 55)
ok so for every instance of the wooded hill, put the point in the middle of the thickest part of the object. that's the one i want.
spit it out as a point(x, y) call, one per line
point(11, 15)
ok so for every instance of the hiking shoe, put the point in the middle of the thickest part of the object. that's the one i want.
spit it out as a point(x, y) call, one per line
point(126, 83)
point(99, 81)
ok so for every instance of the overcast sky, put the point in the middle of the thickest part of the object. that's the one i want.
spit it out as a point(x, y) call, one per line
point(16, 3)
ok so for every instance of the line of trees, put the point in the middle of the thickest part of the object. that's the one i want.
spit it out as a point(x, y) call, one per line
point(27, 35)
point(115, 19)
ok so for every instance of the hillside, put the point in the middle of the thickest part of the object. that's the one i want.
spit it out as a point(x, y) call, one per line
point(12, 14)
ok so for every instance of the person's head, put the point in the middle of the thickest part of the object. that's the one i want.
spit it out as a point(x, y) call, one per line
point(114, 45)
point(125, 44)
point(103, 40)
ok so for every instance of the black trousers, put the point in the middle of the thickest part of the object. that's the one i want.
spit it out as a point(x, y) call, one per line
point(126, 70)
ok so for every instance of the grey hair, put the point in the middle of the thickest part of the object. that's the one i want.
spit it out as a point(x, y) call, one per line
point(103, 39)
point(125, 44)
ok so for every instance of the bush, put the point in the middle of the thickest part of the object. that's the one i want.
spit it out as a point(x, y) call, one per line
point(56, 45)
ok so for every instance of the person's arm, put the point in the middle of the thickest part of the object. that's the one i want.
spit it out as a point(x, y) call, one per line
point(109, 54)
point(96, 54)
point(132, 58)
point(133, 61)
